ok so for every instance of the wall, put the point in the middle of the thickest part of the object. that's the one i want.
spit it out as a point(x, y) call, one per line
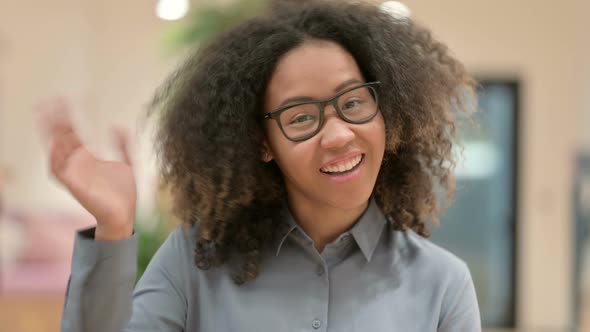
point(104, 56)
point(538, 43)
point(583, 72)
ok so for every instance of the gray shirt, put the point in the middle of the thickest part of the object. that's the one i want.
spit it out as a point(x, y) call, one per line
point(371, 278)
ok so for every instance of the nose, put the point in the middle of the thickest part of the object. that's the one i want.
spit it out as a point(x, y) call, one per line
point(336, 133)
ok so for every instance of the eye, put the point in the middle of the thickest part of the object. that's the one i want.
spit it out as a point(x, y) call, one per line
point(351, 104)
point(302, 118)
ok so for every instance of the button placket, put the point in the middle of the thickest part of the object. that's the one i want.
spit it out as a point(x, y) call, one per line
point(320, 270)
point(320, 317)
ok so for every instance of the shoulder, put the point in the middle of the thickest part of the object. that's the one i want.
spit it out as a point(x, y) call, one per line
point(176, 252)
point(446, 276)
point(180, 241)
point(172, 262)
point(183, 235)
point(422, 254)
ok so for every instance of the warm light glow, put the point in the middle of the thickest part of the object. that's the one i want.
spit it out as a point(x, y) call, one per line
point(171, 10)
point(396, 9)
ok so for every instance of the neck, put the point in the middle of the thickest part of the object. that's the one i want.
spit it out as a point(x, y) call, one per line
point(324, 223)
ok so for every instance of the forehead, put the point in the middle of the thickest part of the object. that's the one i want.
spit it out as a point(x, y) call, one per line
point(313, 69)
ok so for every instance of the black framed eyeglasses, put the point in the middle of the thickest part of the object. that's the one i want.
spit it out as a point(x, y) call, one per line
point(302, 121)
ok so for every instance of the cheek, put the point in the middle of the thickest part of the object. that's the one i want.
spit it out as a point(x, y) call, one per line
point(377, 131)
point(274, 138)
point(294, 159)
point(272, 131)
point(296, 156)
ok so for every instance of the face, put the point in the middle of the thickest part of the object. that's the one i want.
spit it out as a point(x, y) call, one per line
point(316, 171)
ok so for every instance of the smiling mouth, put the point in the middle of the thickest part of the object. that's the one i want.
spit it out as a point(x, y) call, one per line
point(344, 169)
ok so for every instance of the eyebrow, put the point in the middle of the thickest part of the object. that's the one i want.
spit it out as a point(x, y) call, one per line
point(305, 98)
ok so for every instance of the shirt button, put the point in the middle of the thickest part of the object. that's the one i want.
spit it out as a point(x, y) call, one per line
point(319, 270)
point(345, 238)
point(316, 323)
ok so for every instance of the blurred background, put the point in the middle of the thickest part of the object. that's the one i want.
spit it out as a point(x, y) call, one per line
point(522, 211)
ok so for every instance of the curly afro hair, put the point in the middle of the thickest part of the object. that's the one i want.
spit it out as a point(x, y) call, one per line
point(209, 137)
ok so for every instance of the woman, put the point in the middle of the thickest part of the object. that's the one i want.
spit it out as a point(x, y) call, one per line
point(302, 148)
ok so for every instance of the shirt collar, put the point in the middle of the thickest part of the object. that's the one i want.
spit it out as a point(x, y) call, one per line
point(288, 226)
point(366, 232)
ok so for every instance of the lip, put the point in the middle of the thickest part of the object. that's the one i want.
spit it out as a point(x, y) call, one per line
point(347, 156)
point(347, 177)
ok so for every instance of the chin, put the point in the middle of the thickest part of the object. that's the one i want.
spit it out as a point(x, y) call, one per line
point(351, 202)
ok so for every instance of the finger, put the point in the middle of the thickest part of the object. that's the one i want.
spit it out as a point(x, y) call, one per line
point(52, 112)
point(122, 140)
point(69, 141)
point(53, 117)
point(66, 141)
point(57, 160)
point(62, 148)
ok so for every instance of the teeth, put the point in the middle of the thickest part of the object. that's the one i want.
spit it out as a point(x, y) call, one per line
point(349, 165)
point(343, 167)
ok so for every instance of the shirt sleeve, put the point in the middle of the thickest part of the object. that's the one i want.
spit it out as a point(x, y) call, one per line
point(460, 312)
point(100, 294)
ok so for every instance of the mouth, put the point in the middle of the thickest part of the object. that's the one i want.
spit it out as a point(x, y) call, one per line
point(344, 168)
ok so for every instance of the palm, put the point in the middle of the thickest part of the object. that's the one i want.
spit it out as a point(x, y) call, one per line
point(106, 189)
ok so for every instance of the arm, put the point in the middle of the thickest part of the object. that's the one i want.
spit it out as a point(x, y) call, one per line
point(460, 312)
point(160, 300)
point(99, 295)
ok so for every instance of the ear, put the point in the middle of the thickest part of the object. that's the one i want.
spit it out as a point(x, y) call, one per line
point(266, 153)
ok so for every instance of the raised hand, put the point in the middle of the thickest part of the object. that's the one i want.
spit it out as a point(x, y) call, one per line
point(106, 189)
